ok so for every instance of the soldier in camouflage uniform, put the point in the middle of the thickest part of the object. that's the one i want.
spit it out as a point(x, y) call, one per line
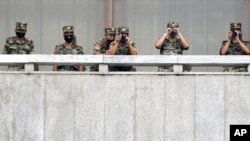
point(70, 48)
point(102, 45)
point(18, 45)
point(172, 42)
point(234, 45)
point(122, 46)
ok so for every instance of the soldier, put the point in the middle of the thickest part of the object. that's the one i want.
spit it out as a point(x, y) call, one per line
point(69, 47)
point(18, 45)
point(122, 46)
point(172, 42)
point(102, 45)
point(234, 45)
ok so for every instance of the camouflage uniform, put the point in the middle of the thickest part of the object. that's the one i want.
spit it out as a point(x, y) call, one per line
point(103, 44)
point(75, 50)
point(171, 48)
point(13, 46)
point(235, 49)
point(63, 50)
point(122, 49)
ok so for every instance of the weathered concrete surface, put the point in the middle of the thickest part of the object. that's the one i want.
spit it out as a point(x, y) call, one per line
point(121, 107)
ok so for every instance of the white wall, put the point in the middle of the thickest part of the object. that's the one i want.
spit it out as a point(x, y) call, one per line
point(121, 107)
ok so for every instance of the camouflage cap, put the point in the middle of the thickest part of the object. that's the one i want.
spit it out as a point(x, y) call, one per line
point(173, 25)
point(68, 28)
point(21, 26)
point(235, 26)
point(123, 30)
point(110, 30)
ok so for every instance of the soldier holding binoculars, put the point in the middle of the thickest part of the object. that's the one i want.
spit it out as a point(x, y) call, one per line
point(171, 43)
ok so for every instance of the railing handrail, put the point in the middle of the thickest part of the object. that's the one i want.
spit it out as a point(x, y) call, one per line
point(134, 60)
point(141, 60)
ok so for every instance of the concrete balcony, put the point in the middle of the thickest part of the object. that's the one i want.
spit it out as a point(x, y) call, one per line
point(122, 106)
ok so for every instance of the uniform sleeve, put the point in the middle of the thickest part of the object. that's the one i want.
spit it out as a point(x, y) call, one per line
point(82, 52)
point(31, 44)
point(181, 45)
point(97, 47)
point(6, 47)
point(247, 43)
point(56, 49)
point(133, 44)
point(224, 42)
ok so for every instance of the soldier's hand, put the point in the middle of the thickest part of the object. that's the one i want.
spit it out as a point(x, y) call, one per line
point(127, 39)
point(118, 38)
point(168, 31)
point(230, 35)
point(177, 30)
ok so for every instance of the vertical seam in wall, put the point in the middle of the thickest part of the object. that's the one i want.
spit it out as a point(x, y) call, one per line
point(225, 94)
point(44, 108)
point(195, 104)
point(14, 132)
point(164, 116)
point(74, 128)
point(135, 111)
point(104, 109)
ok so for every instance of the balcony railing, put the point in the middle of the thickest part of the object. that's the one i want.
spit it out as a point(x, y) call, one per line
point(124, 60)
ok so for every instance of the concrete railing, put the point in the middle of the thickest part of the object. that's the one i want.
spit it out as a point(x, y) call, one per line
point(139, 60)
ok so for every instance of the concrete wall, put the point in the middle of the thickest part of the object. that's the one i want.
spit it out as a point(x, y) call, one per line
point(122, 107)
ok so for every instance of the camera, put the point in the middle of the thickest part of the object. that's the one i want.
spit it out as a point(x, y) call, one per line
point(234, 33)
point(123, 38)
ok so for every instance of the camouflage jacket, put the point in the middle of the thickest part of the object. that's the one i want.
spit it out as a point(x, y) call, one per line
point(12, 46)
point(62, 49)
point(75, 50)
point(235, 49)
point(123, 49)
point(104, 46)
point(174, 48)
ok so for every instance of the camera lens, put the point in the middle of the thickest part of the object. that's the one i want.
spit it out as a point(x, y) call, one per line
point(234, 33)
point(123, 38)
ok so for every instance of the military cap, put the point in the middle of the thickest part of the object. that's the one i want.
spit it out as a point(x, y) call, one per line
point(235, 26)
point(123, 30)
point(21, 26)
point(68, 28)
point(110, 30)
point(173, 25)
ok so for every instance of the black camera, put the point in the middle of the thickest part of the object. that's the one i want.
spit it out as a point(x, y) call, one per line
point(123, 38)
point(234, 33)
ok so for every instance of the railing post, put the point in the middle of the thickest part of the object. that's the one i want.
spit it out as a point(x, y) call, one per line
point(29, 67)
point(178, 68)
point(103, 68)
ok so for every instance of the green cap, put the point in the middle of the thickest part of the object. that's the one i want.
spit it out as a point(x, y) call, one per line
point(235, 26)
point(21, 26)
point(123, 30)
point(110, 30)
point(68, 28)
point(173, 25)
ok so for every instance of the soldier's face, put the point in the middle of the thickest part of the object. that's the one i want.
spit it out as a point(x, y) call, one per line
point(110, 36)
point(237, 30)
point(20, 33)
point(68, 34)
